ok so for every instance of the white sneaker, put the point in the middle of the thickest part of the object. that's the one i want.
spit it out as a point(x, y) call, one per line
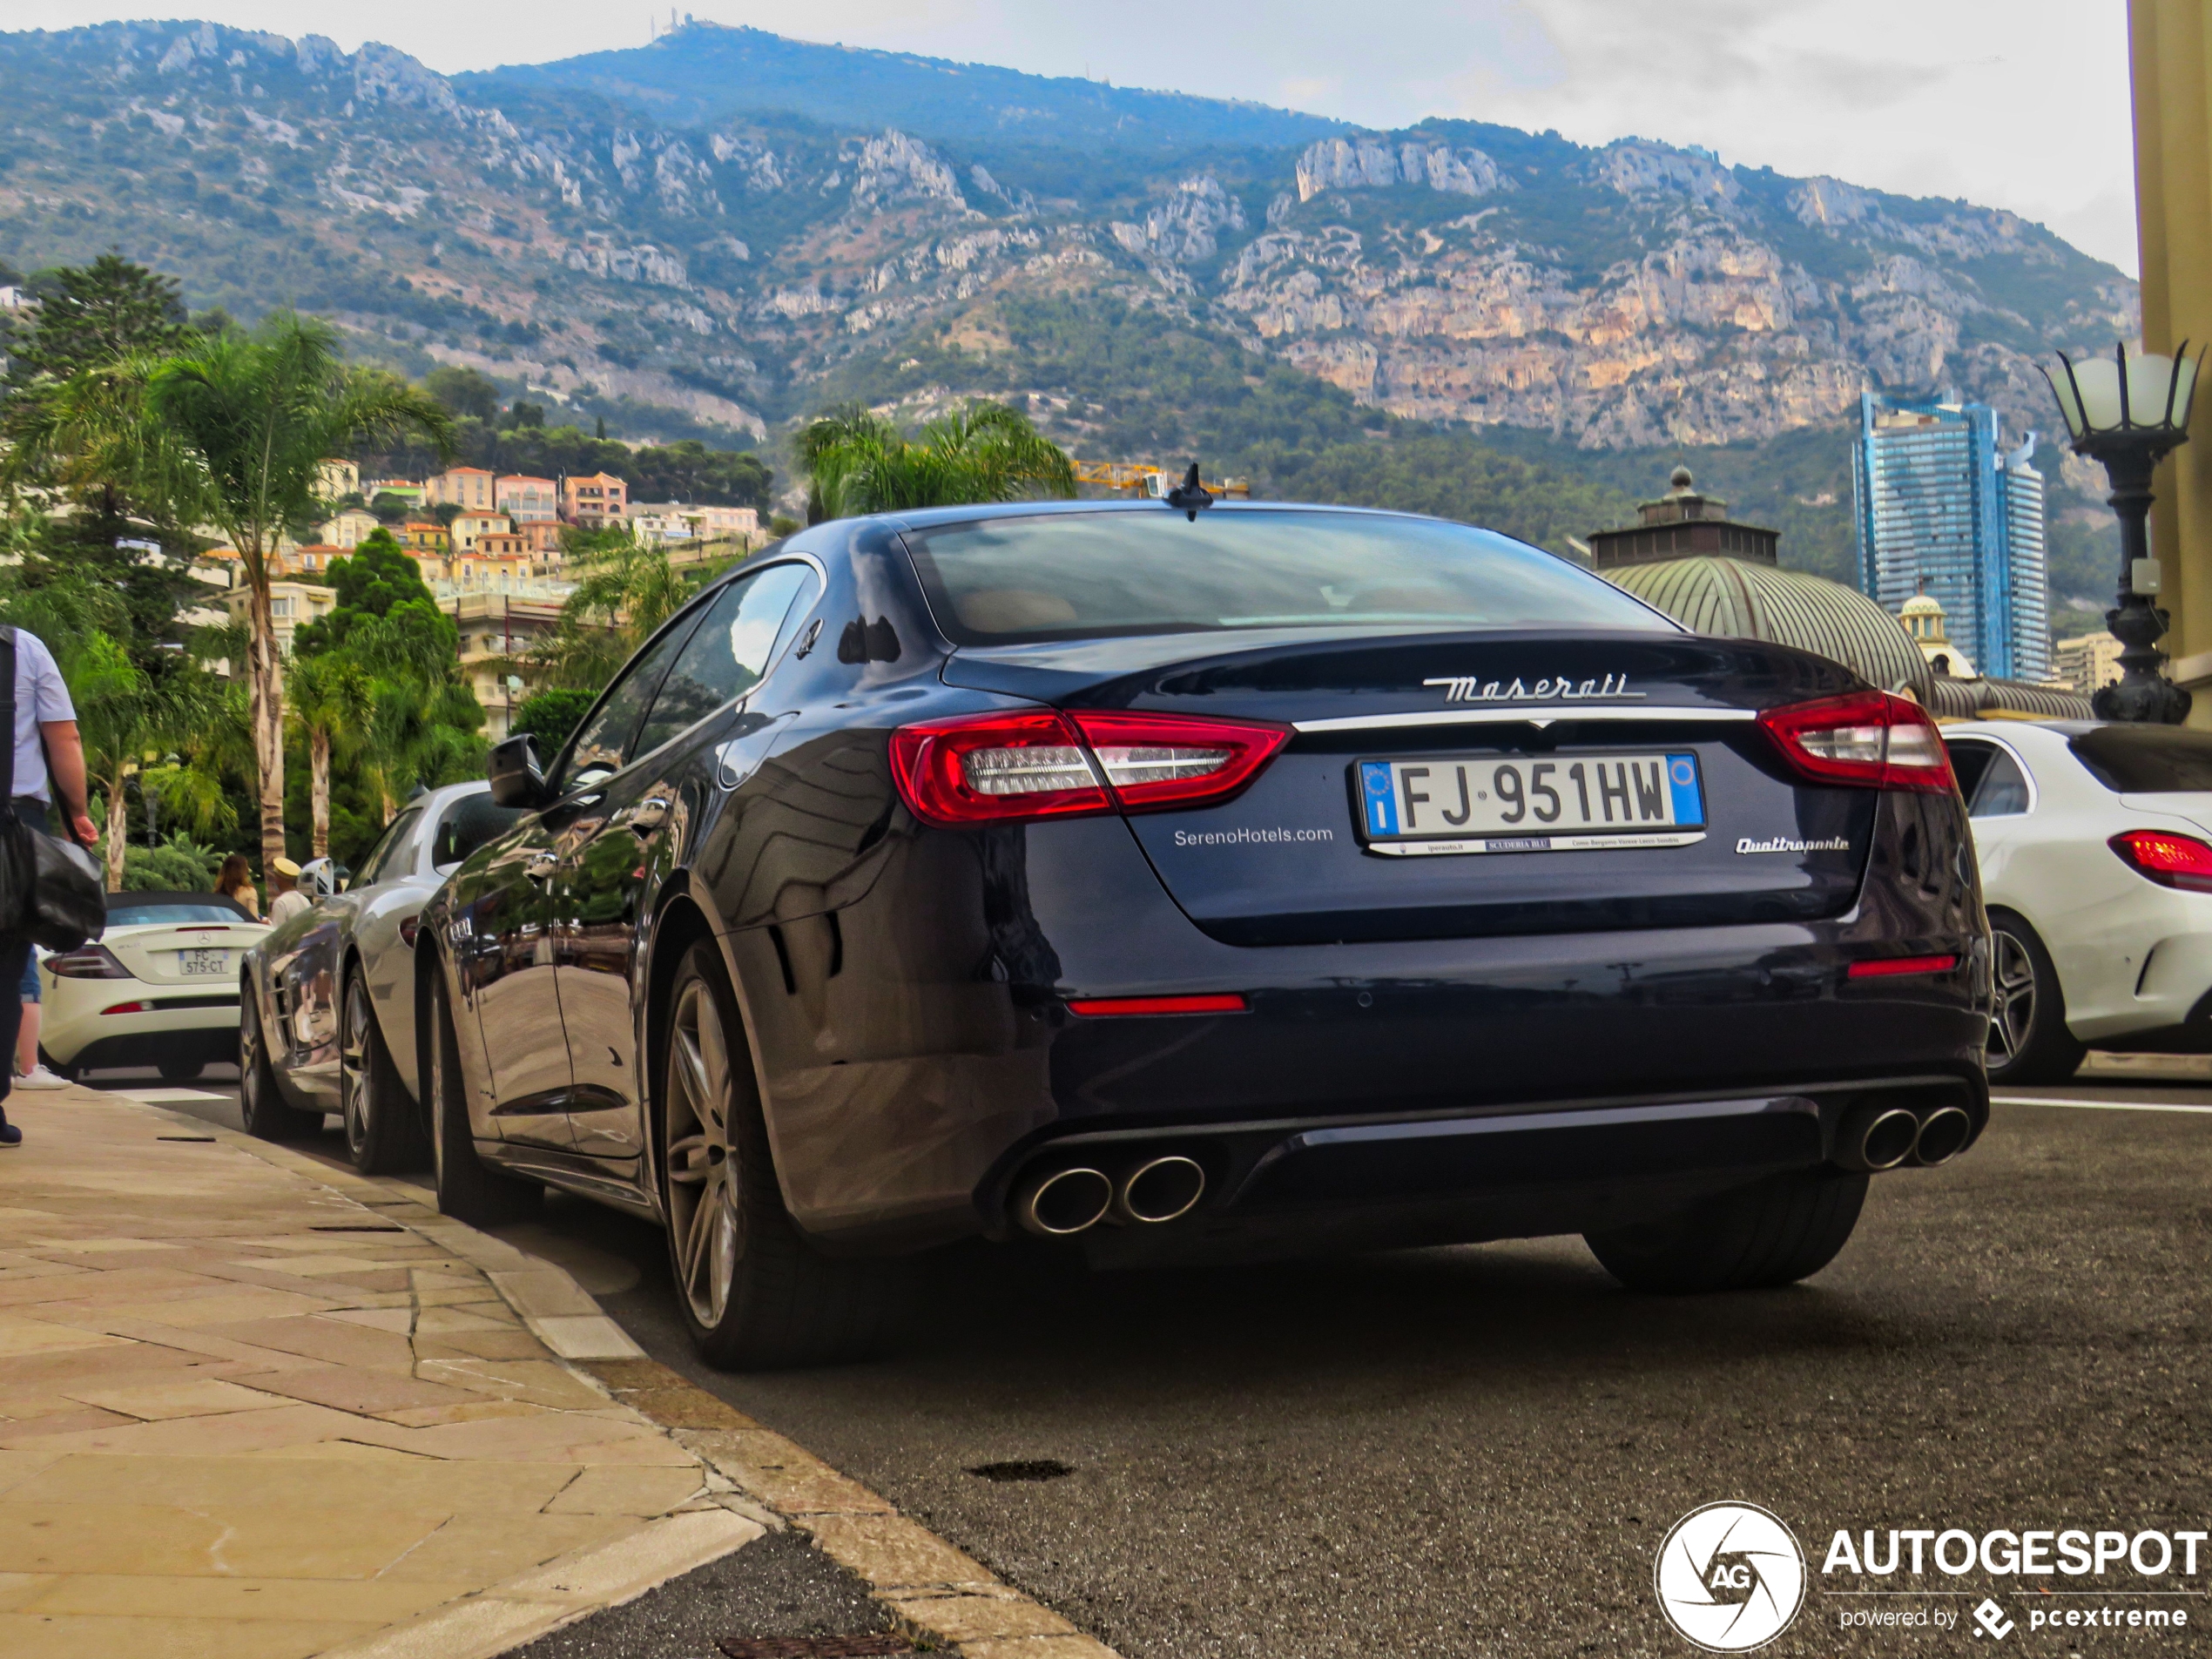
point(39, 1077)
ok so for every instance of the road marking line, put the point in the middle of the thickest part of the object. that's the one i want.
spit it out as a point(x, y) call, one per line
point(2099, 1105)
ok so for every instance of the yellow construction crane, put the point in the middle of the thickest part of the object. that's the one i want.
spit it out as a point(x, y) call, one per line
point(1149, 478)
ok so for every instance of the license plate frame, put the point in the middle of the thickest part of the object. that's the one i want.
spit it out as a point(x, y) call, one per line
point(201, 961)
point(1380, 809)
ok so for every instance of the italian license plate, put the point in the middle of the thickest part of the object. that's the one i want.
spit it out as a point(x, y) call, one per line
point(194, 963)
point(1484, 803)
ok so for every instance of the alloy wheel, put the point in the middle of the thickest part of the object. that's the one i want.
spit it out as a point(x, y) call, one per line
point(354, 1099)
point(249, 1055)
point(2011, 1014)
point(702, 1175)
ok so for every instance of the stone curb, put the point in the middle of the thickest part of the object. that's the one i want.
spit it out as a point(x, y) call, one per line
point(937, 1594)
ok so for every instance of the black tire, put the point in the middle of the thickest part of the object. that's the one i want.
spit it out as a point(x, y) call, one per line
point(260, 1103)
point(383, 1128)
point(2028, 1041)
point(469, 1189)
point(754, 1293)
point(1775, 1232)
point(180, 1071)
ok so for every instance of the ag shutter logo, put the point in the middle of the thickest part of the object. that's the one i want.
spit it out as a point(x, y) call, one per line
point(1730, 1577)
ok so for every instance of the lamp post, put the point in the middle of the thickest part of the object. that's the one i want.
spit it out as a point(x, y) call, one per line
point(2129, 413)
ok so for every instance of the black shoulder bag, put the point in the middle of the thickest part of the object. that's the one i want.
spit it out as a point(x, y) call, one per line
point(50, 892)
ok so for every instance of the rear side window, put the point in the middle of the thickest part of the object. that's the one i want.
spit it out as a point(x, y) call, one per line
point(467, 824)
point(125, 912)
point(383, 859)
point(1089, 575)
point(2147, 759)
point(729, 653)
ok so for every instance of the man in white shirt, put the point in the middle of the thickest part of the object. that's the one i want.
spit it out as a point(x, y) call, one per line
point(286, 900)
point(45, 729)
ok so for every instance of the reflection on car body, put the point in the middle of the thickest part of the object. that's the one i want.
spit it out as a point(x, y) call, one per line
point(916, 882)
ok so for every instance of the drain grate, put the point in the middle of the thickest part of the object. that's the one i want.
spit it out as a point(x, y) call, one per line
point(1031, 1468)
point(197, 1140)
point(813, 1647)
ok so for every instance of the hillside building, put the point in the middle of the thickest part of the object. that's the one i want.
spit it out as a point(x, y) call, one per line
point(593, 502)
point(292, 606)
point(469, 529)
point(338, 479)
point(526, 500)
point(467, 488)
point(1940, 509)
point(350, 528)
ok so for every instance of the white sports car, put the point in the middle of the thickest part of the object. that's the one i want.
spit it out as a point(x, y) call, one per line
point(160, 987)
point(2095, 844)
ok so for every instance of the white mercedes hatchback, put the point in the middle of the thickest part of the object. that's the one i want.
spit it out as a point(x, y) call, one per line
point(2095, 844)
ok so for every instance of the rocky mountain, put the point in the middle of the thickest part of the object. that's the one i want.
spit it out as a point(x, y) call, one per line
point(720, 232)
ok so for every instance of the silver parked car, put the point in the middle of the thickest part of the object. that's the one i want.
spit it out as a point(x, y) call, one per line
point(326, 1001)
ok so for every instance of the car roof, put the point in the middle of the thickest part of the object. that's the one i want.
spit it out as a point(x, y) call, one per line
point(926, 518)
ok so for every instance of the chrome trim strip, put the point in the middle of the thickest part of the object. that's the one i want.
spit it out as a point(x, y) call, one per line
point(1530, 714)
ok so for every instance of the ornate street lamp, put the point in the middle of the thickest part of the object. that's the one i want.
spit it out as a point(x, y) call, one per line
point(2129, 413)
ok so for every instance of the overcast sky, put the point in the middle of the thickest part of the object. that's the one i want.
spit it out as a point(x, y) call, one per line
point(2018, 104)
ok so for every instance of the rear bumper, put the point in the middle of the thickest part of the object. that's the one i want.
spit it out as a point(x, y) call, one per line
point(200, 1025)
point(1280, 1187)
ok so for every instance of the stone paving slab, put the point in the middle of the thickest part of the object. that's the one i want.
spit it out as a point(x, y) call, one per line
point(254, 1407)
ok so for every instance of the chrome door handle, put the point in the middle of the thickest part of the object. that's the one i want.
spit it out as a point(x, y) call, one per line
point(648, 814)
point(541, 867)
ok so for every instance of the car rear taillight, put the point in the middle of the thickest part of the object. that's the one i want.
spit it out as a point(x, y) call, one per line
point(1893, 967)
point(1039, 762)
point(2172, 860)
point(1153, 762)
point(91, 961)
point(1103, 1007)
point(1869, 740)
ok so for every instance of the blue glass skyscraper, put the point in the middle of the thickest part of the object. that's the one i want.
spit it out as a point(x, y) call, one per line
point(1937, 503)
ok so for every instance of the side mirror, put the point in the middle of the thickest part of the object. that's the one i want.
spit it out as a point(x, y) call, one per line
point(516, 775)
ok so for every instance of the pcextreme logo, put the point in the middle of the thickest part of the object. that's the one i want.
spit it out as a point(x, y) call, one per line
point(1730, 1577)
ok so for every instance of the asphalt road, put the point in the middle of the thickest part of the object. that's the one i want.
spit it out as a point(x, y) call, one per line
point(1479, 1450)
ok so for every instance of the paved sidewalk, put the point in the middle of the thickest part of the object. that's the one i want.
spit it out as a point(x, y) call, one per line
point(250, 1406)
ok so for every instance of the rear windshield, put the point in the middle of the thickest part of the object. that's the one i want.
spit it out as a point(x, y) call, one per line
point(125, 913)
point(1088, 576)
point(2147, 759)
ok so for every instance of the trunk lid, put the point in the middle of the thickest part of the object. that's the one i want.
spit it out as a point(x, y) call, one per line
point(1658, 726)
point(188, 954)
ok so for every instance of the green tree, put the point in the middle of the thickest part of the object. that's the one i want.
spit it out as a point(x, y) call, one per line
point(550, 715)
point(233, 433)
point(859, 462)
point(376, 577)
point(464, 391)
point(331, 704)
point(124, 714)
point(626, 589)
point(93, 315)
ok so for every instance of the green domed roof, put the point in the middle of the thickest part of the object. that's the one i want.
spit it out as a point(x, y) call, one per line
point(1737, 599)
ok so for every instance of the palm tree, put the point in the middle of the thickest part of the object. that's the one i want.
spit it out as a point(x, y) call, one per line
point(331, 698)
point(229, 434)
point(627, 590)
point(857, 461)
point(124, 714)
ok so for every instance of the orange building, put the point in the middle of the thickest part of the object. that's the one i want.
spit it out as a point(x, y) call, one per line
point(596, 500)
point(467, 487)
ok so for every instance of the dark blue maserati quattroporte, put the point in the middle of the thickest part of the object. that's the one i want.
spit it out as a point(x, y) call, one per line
point(1200, 885)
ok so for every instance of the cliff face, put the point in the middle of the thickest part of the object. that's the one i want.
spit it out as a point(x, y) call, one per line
point(707, 272)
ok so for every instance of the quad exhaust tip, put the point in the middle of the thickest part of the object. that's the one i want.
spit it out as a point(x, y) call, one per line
point(1060, 1203)
point(1161, 1190)
point(1886, 1139)
point(1943, 1135)
point(1063, 1201)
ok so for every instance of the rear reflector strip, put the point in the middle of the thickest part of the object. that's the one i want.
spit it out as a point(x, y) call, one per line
point(1093, 1006)
point(1887, 967)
